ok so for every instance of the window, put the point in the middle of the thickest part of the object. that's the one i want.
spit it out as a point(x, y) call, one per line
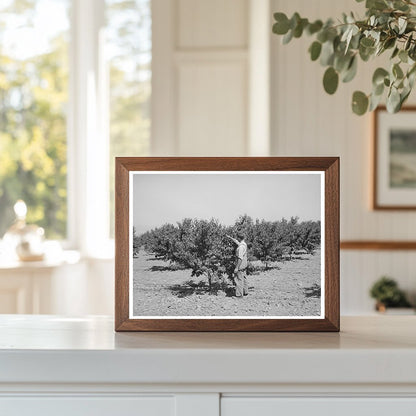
point(75, 87)
point(33, 99)
point(129, 43)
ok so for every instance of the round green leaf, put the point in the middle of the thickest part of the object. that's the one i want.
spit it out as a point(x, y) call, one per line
point(359, 103)
point(351, 71)
point(367, 42)
point(314, 27)
point(281, 27)
point(379, 75)
point(378, 90)
point(315, 50)
point(330, 80)
point(327, 54)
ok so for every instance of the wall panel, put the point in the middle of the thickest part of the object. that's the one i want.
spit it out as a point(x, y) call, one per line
point(212, 24)
point(212, 105)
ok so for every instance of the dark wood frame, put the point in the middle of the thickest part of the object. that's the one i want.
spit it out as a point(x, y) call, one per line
point(376, 205)
point(378, 245)
point(330, 165)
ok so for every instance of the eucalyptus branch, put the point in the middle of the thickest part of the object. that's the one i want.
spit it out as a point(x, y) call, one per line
point(389, 25)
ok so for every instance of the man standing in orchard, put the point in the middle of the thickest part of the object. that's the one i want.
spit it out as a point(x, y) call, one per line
point(241, 284)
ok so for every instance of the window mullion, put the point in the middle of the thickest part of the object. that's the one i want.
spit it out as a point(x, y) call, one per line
point(88, 137)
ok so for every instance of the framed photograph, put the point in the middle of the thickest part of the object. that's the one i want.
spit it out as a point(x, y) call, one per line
point(394, 176)
point(227, 244)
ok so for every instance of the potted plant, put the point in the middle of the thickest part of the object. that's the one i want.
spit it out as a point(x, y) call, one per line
point(389, 27)
point(387, 294)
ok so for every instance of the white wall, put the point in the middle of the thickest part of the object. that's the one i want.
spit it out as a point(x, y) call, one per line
point(308, 122)
point(202, 80)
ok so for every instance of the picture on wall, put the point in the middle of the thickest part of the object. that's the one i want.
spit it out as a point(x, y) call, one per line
point(394, 180)
point(215, 249)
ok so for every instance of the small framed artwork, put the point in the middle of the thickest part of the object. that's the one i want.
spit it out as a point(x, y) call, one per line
point(394, 179)
point(227, 244)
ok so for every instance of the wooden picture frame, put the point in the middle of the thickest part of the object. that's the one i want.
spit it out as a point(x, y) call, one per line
point(280, 169)
point(394, 185)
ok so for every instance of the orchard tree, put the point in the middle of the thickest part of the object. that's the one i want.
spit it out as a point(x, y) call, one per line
point(309, 236)
point(268, 241)
point(291, 231)
point(136, 243)
point(160, 241)
point(204, 248)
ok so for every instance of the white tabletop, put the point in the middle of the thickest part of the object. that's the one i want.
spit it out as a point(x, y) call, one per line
point(57, 349)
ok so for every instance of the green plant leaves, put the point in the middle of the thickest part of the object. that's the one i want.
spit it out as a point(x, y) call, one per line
point(351, 71)
point(379, 75)
point(376, 4)
point(315, 50)
point(281, 27)
point(314, 27)
point(359, 103)
point(339, 44)
point(397, 71)
point(393, 100)
point(330, 80)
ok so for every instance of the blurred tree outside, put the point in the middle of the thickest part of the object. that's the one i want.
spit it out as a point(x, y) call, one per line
point(33, 100)
point(34, 68)
point(129, 48)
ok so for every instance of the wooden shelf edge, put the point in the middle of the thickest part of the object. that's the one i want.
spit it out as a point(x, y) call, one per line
point(378, 245)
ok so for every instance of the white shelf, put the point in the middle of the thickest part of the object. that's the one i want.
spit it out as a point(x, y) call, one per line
point(51, 349)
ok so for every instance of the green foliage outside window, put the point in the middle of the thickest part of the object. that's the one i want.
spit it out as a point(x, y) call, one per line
point(33, 100)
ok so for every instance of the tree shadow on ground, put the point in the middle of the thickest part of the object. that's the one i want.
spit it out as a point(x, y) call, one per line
point(190, 287)
point(169, 268)
point(313, 292)
point(255, 270)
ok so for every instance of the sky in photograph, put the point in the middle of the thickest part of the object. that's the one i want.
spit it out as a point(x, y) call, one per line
point(168, 198)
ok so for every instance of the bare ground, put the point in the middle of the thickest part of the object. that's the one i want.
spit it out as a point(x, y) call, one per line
point(291, 288)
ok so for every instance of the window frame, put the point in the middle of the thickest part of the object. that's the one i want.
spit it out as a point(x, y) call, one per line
point(88, 133)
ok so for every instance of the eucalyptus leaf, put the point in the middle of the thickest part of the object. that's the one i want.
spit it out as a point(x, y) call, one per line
point(393, 101)
point(388, 24)
point(389, 43)
point(395, 52)
point(342, 62)
point(281, 27)
point(330, 80)
point(351, 72)
point(315, 50)
point(359, 103)
point(379, 75)
point(288, 37)
point(327, 53)
point(374, 102)
point(397, 71)
point(314, 27)
point(403, 56)
point(376, 4)
point(378, 89)
point(402, 22)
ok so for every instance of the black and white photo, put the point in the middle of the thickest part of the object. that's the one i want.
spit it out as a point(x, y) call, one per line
point(227, 244)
